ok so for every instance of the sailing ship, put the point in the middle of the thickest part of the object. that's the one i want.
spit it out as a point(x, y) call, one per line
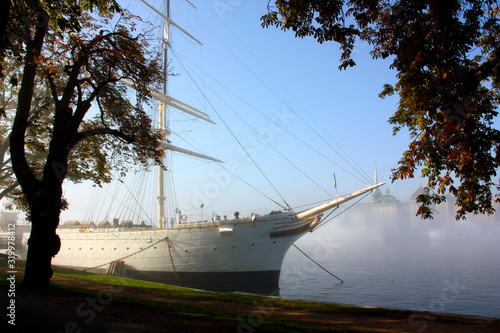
point(239, 253)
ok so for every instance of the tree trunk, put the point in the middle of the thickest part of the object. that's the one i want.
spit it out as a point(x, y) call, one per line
point(44, 243)
point(4, 19)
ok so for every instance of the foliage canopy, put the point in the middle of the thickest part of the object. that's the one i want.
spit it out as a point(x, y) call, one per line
point(71, 108)
point(74, 50)
point(446, 55)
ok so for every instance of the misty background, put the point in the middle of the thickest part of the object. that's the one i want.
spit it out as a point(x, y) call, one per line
point(389, 258)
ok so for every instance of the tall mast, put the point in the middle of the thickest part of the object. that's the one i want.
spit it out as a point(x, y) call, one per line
point(162, 117)
point(165, 100)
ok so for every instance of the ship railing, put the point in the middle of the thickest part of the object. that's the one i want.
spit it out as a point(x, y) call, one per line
point(139, 235)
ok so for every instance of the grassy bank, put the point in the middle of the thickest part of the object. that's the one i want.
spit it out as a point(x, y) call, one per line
point(149, 304)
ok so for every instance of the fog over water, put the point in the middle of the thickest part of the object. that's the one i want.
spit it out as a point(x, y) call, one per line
point(435, 266)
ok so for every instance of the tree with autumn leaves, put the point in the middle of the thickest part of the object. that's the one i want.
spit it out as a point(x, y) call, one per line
point(76, 51)
point(446, 55)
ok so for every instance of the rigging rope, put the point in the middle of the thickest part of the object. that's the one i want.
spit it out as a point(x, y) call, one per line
point(234, 136)
point(238, 141)
point(275, 149)
point(284, 129)
point(137, 202)
point(284, 102)
point(253, 187)
point(325, 221)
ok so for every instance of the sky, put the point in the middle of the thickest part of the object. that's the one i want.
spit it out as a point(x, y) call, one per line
point(283, 99)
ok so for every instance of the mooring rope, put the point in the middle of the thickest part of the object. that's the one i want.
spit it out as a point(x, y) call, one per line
point(127, 256)
point(172, 259)
point(320, 225)
point(323, 268)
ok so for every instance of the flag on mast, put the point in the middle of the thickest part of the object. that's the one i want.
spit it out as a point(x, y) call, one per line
point(334, 179)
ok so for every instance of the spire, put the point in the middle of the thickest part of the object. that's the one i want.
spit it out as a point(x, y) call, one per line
point(376, 194)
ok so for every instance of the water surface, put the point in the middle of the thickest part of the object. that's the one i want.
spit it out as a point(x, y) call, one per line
point(453, 268)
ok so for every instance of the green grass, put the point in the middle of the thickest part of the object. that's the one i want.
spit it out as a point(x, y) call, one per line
point(220, 318)
point(213, 315)
point(176, 291)
point(234, 297)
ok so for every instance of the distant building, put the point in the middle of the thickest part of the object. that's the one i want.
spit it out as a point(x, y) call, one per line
point(387, 211)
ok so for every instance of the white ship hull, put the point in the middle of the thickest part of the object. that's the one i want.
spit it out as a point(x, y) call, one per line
point(240, 254)
point(243, 254)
